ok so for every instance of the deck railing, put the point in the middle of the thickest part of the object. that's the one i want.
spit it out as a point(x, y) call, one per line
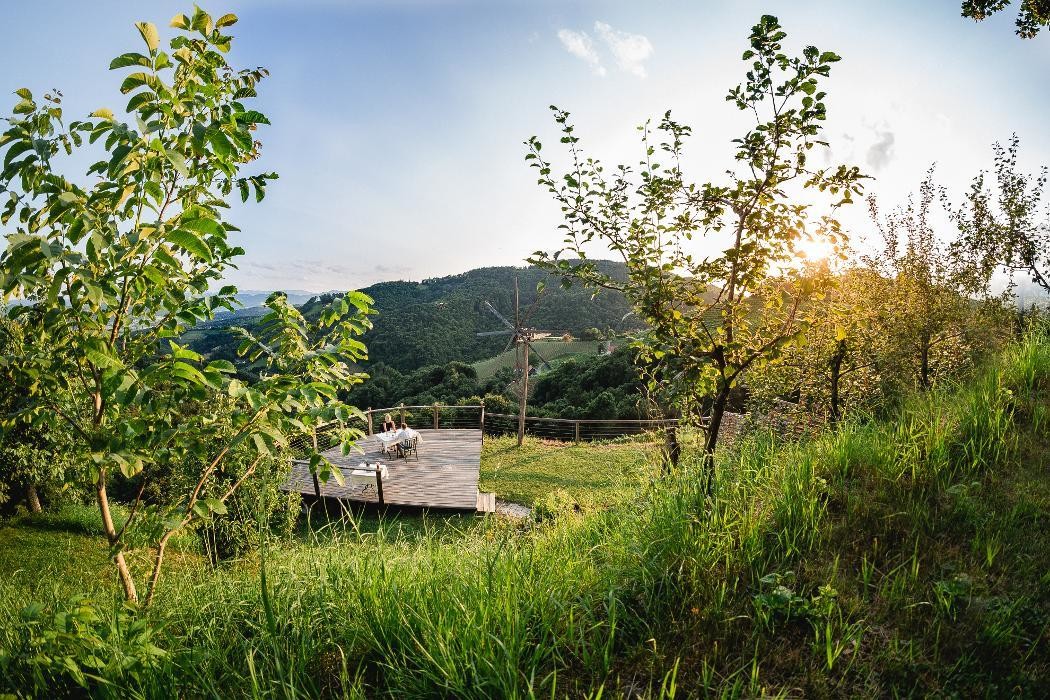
point(475, 416)
point(439, 416)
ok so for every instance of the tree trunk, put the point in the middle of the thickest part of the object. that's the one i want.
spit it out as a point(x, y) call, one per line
point(836, 375)
point(714, 427)
point(158, 562)
point(33, 499)
point(924, 364)
point(126, 580)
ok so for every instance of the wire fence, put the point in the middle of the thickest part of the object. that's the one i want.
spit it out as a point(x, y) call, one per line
point(785, 422)
point(574, 430)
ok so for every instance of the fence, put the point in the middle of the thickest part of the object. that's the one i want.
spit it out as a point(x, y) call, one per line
point(440, 416)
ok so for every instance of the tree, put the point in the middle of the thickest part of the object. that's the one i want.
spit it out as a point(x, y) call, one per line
point(835, 366)
point(938, 295)
point(709, 319)
point(33, 459)
point(1009, 226)
point(119, 269)
point(1031, 15)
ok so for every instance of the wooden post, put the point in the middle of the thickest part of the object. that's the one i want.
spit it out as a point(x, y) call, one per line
point(402, 411)
point(317, 484)
point(524, 397)
point(379, 483)
point(673, 451)
point(577, 432)
point(437, 421)
point(483, 421)
point(369, 414)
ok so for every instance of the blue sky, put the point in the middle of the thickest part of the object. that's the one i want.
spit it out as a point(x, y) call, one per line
point(398, 125)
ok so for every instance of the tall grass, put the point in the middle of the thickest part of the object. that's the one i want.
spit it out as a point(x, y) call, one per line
point(813, 571)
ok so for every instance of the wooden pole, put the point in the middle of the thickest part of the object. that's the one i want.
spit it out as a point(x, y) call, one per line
point(437, 421)
point(402, 411)
point(577, 432)
point(369, 414)
point(524, 396)
point(317, 484)
point(379, 483)
point(483, 421)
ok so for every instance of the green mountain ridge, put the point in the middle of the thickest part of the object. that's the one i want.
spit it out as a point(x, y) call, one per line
point(437, 320)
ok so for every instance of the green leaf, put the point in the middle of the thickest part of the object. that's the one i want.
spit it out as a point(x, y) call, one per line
point(148, 30)
point(216, 506)
point(180, 22)
point(139, 99)
point(130, 59)
point(260, 444)
point(219, 143)
point(24, 107)
point(209, 226)
point(103, 113)
point(133, 81)
point(191, 243)
point(24, 93)
point(224, 366)
point(251, 117)
point(178, 162)
point(226, 20)
point(188, 372)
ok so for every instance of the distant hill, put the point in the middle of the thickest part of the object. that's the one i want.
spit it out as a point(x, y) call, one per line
point(254, 297)
point(436, 321)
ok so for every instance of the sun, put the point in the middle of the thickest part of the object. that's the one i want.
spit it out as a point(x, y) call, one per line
point(815, 249)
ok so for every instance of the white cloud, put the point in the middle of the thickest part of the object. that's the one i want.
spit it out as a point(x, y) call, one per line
point(579, 44)
point(630, 50)
point(881, 152)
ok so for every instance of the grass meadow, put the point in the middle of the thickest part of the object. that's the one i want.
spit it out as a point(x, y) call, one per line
point(904, 556)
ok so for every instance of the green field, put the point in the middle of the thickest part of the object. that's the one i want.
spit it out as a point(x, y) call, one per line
point(550, 349)
point(904, 557)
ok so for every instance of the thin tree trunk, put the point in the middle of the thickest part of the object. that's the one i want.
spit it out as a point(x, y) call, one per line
point(34, 499)
point(158, 562)
point(126, 580)
point(924, 363)
point(714, 427)
point(836, 375)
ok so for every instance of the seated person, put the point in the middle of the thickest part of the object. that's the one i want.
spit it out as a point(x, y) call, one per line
point(407, 432)
point(388, 424)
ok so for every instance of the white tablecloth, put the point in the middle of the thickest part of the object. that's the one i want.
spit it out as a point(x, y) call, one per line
point(392, 437)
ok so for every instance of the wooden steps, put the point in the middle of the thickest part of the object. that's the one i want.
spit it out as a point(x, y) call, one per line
point(486, 502)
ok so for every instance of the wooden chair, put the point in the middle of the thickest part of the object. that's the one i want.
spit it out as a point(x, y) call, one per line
point(407, 447)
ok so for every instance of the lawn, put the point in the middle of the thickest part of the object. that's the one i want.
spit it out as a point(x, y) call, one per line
point(549, 349)
point(594, 474)
point(905, 557)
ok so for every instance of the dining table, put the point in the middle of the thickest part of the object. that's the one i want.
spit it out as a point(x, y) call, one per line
point(389, 439)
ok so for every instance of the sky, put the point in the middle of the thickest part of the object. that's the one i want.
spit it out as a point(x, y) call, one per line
point(398, 125)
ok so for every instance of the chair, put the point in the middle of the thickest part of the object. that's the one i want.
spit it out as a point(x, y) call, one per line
point(407, 447)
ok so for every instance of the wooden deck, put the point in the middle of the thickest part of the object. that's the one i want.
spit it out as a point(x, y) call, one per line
point(444, 476)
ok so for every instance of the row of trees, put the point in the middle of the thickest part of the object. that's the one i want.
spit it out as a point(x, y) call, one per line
point(713, 270)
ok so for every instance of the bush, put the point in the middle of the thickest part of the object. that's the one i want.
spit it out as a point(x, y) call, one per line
point(258, 510)
point(81, 644)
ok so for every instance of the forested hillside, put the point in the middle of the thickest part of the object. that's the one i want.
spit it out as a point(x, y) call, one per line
point(436, 321)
